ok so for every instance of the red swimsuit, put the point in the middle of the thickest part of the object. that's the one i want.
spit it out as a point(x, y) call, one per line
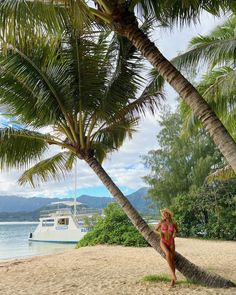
point(164, 228)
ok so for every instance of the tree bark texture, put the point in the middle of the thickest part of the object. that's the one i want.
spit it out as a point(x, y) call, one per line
point(188, 269)
point(185, 89)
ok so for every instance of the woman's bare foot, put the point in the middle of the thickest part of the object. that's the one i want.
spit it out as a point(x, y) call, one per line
point(173, 281)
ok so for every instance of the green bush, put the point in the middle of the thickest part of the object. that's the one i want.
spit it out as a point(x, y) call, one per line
point(209, 211)
point(115, 228)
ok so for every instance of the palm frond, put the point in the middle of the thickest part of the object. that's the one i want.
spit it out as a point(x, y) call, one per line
point(218, 89)
point(100, 151)
point(219, 86)
point(183, 12)
point(112, 136)
point(157, 81)
point(190, 122)
point(123, 78)
point(28, 88)
point(52, 168)
point(218, 48)
point(20, 147)
point(221, 174)
point(22, 22)
point(148, 101)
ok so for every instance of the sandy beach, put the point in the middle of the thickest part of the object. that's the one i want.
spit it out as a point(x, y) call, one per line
point(114, 270)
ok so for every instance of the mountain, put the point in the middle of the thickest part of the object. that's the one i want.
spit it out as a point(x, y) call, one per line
point(16, 204)
point(21, 209)
point(95, 202)
point(21, 204)
point(20, 216)
point(139, 201)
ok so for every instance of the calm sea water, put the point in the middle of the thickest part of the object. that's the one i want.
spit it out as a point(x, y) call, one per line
point(14, 242)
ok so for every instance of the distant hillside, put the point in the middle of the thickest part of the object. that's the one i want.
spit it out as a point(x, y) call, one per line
point(139, 201)
point(16, 204)
point(27, 209)
point(95, 202)
point(20, 216)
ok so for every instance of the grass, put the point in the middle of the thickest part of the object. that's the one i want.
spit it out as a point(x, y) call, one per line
point(156, 278)
point(166, 279)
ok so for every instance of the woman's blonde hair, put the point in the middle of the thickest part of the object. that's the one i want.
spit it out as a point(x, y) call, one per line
point(168, 211)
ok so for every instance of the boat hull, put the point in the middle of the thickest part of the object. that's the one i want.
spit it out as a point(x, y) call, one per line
point(56, 242)
point(58, 229)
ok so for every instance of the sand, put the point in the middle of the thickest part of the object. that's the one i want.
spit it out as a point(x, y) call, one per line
point(114, 270)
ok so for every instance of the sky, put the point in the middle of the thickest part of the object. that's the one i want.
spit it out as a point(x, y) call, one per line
point(125, 166)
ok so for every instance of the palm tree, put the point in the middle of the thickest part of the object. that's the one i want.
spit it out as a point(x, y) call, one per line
point(119, 16)
point(217, 52)
point(85, 89)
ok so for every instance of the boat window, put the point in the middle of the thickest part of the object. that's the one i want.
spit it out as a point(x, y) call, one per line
point(48, 222)
point(63, 221)
point(84, 230)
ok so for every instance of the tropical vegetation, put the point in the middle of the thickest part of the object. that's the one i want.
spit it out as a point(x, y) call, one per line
point(181, 162)
point(217, 52)
point(115, 228)
point(189, 176)
point(209, 211)
point(179, 169)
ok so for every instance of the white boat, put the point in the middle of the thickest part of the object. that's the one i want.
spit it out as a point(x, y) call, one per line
point(62, 225)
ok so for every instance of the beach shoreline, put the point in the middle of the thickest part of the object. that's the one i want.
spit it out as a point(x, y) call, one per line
point(114, 270)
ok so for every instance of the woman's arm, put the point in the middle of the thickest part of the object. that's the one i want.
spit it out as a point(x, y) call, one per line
point(158, 226)
point(176, 228)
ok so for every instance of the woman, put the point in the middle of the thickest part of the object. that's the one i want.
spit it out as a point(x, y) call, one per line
point(168, 230)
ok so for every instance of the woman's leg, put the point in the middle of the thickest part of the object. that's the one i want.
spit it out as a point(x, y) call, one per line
point(169, 257)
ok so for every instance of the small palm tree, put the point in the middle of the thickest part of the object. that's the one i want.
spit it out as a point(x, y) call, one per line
point(217, 51)
point(84, 87)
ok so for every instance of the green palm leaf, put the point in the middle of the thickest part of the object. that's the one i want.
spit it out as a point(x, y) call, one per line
point(218, 88)
point(25, 21)
point(222, 174)
point(218, 48)
point(30, 90)
point(113, 134)
point(19, 148)
point(182, 12)
point(84, 86)
point(51, 168)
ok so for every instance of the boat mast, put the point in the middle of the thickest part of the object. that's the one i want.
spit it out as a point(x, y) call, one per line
point(75, 187)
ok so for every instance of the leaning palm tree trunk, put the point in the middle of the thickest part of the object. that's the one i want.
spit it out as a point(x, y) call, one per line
point(184, 88)
point(188, 269)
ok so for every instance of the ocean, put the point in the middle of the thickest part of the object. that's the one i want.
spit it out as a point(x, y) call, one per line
point(14, 242)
